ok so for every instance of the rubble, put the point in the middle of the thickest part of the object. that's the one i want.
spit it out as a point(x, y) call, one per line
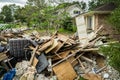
point(57, 57)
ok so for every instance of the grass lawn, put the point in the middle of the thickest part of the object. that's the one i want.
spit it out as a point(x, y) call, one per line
point(44, 32)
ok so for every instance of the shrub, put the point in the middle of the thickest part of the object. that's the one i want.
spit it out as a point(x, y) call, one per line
point(112, 51)
point(7, 26)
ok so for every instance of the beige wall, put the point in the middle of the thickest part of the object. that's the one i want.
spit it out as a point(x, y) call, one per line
point(102, 20)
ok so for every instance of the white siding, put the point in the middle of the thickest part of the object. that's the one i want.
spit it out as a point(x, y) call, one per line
point(81, 29)
point(71, 10)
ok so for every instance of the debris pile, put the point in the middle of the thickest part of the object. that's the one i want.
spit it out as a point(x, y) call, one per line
point(55, 57)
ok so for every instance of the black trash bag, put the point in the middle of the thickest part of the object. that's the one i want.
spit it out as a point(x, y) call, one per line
point(42, 63)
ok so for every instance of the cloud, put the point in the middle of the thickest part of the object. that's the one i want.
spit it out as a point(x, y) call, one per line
point(7, 2)
point(14, 1)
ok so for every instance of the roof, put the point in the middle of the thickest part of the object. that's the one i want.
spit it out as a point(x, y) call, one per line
point(106, 7)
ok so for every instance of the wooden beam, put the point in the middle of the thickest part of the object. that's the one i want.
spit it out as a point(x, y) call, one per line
point(34, 51)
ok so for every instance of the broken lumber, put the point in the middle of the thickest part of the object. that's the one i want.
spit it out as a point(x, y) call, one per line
point(32, 57)
point(87, 59)
point(73, 54)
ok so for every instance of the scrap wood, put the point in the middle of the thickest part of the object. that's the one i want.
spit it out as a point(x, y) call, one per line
point(73, 54)
point(32, 48)
point(57, 48)
point(4, 43)
point(10, 35)
point(61, 37)
point(96, 32)
point(64, 38)
point(61, 55)
point(90, 49)
point(92, 43)
point(77, 57)
point(93, 37)
point(91, 76)
point(101, 69)
point(87, 59)
point(64, 71)
point(2, 38)
point(32, 57)
point(35, 61)
point(36, 34)
point(81, 64)
point(3, 55)
point(55, 43)
point(46, 45)
point(71, 59)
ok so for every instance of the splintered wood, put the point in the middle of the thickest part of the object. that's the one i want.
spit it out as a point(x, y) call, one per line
point(65, 71)
point(63, 53)
point(55, 43)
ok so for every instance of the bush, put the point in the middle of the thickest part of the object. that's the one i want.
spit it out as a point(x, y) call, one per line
point(7, 26)
point(112, 51)
point(68, 24)
point(114, 19)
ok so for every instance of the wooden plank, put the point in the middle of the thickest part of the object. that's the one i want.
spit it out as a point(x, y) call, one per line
point(32, 48)
point(2, 38)
point(3, 56)
point(62, 55)
point(71, 59)
point(60, 44)
point(77, 57)
point(46, 45)
point(34, 51)
point(55, 43)
point(35, 61)
point(87, 59)
point(73, 54)
point(61, 37)
point(65, 71)
point(92, 76)
point(81, 64)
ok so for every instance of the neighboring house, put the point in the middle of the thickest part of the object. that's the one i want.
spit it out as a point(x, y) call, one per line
point(72, 10)
point(87, 23)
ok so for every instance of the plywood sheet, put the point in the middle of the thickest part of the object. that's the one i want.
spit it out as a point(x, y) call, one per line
point(65, 71)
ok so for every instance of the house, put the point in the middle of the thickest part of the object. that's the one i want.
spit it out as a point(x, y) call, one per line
point(72, 9)
point(87, 23)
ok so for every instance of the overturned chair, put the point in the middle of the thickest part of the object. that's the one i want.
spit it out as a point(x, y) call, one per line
point(17, 48)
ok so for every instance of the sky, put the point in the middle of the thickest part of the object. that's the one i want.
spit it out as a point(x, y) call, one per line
point(21, 2)
point(17, 2)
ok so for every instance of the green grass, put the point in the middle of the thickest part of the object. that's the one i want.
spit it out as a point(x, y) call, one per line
point(51, 31)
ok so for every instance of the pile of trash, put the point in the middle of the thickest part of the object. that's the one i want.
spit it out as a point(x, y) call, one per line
point(57, 57)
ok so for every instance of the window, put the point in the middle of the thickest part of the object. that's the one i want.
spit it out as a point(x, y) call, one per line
point(76, 12)
point(89, 22)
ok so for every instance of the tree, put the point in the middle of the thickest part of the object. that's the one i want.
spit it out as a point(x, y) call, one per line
point(6, 11)
point(95, 3)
